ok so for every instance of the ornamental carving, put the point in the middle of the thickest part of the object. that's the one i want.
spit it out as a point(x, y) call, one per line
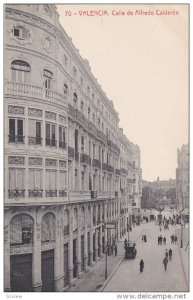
point(38, 230)
point(51, 162)
point(47, 246)
point(62, 119)
point(24, 249)
point(35, 161)
point(16, 160)
point(16, 110)
point(62, 164)
point(50, 115)
point(35, 112)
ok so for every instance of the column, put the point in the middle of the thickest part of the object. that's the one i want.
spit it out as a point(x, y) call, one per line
point(58, 264)
point(100, 231)
point(96, 245)
point(7, 287)
point(79, 242)
point(91, 237)
point(85, 240)
point(70, 247)
point(100, 241)
point(36, 259)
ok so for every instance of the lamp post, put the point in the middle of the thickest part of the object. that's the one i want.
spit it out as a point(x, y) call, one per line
point(181, 243)
point(106, 261)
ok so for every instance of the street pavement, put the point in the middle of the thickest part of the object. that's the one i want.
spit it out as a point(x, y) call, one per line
point(93, 280)
point(154, 278)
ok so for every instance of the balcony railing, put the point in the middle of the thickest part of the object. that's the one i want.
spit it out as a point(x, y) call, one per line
point(16, 139)
point(51, 193)
point(96, 163)
point(117, 171)
point(110, 169)
point(93, 194)
point(31, 90)
point(17, 193)
point(124, 171)
point(84, 158)
point(34, 140)
point(51, 142)
point(62, 145)
point(62, 193)
point(35, 193)
point(105, 167)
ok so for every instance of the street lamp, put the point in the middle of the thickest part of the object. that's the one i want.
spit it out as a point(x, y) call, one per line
point(181, 244)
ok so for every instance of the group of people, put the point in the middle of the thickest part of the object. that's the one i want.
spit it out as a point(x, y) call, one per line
point(144, 238)
point(173, 239)
point(168, 254)
point(161, 240)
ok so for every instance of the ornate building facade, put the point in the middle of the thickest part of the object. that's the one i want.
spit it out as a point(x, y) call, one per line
point(182, 177)
point(69, 169)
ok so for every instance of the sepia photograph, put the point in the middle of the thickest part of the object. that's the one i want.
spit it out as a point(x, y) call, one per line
point(96, 148)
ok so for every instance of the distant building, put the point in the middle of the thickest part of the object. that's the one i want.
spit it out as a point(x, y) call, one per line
point(182, 177)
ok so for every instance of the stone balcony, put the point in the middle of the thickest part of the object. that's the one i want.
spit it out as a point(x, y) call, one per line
point(34, 91)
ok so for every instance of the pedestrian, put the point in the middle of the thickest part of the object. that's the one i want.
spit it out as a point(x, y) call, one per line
point(170, 254)
point(145, 238)
point(142, 238)
point(164, 240)
point(175, 238)
point(172, 239)
point(125, 243)
point(161, 239)
point(141, 264)
point(115, 250)
point(165, 262)
point(166, 253)
point(158, 240)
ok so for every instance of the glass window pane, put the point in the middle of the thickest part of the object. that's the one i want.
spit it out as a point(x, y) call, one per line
point(12, 130)
point(38, 129)
point(20, 127)
point(47, 131)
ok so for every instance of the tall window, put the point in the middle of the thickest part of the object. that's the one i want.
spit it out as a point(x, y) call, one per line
point(50, 134)
point(21, 231)
point(48, 77)
point(51, 183)
point(20, 71)
point(76, 140)
point(62, 137)
point(48, 228)
point(16, 131)
point(35, 183)
point(16, 182)
point(35, 132)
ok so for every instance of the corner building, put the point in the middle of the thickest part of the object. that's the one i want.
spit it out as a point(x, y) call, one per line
point(65, 173)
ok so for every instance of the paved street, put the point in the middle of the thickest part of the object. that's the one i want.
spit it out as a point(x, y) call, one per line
point(154, 278)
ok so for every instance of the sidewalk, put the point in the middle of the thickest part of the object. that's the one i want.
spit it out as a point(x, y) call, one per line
point(94, 279)
point(184, 252)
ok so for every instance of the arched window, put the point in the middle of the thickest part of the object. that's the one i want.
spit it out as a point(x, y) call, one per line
point(21, 231)
point(48, 228)
point(20, 71)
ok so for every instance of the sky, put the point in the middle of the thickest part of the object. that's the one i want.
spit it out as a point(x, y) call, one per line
point(141, 63)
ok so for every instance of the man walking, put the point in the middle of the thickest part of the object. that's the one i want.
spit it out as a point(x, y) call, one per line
point(115, 250)
point(170, 254)
point(141, 264)
point(165, 262)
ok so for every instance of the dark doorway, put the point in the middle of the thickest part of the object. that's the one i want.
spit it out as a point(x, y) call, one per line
point(82, 253)
point(74, 259)
point(21, 273)
point(48, 271)
point(66, 264)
